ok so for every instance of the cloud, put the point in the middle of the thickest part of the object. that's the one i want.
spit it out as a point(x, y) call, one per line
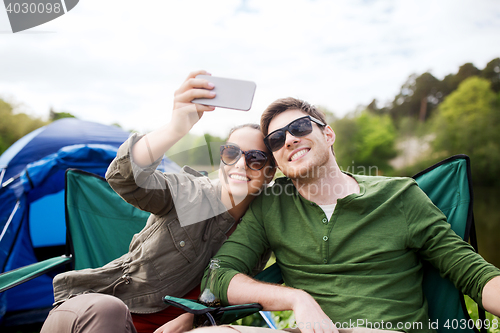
point(121, 61)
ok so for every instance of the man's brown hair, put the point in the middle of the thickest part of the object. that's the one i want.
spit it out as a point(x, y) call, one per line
point(283, 104)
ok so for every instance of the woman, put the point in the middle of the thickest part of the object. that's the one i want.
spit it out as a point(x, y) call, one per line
point(191, 216)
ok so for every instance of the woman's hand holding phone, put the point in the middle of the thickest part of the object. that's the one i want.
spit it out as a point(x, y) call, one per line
point(185, 113)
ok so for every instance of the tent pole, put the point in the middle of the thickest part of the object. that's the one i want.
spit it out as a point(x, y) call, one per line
point(9, 220)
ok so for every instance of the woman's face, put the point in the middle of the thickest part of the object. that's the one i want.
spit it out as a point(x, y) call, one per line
point(238, 179)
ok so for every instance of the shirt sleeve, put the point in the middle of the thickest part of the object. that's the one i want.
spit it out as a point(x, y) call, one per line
point(241, 252)
point(145, 187)
point(431, 236)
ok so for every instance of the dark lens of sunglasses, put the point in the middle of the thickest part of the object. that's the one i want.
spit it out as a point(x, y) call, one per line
point(276, 140)
point(230, 155)
point(255, 160)
point(300, 127)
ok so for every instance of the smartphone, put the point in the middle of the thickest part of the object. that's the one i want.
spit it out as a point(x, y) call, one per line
point(230, 93)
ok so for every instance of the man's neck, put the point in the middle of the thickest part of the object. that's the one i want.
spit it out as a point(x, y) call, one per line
point(327, 185)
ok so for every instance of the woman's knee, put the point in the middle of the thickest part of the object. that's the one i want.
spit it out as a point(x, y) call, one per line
point(104, 305)
point(90, 313)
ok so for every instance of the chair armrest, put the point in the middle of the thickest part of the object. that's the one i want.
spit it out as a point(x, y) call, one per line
point(215, 315)
point(227, 314)
point(20, 275)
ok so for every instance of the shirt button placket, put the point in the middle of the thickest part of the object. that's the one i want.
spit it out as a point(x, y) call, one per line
point(325, 238)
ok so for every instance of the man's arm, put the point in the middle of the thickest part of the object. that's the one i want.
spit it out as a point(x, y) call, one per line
point(456, 260)
point(239, 254)
point(491, 296)
point(308, 314)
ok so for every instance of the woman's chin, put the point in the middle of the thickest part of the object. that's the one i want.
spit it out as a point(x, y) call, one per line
point(239, 194)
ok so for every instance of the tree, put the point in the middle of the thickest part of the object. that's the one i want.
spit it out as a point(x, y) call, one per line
point(197, 151)
point(365, 142)
point(15, 125)
point(468, 122)
point(492, 73)
point(417, 98)
point(329, 116)
point(53, 115)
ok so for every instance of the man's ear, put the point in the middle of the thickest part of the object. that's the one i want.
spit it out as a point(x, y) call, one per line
point(329, 135)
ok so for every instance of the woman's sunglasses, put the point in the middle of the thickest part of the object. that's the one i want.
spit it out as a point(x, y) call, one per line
point(255, 159)
point(299, 127)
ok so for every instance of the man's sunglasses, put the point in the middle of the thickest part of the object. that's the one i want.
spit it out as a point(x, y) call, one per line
point(255, 159)
point(299, 127)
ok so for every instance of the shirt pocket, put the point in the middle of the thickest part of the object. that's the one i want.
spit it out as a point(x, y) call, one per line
point(171, 250)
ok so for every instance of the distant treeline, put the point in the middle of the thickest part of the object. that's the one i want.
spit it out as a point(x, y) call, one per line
point(15, 124)
point(459, 114)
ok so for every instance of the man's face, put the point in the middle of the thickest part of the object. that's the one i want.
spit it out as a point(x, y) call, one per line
point(300, 156)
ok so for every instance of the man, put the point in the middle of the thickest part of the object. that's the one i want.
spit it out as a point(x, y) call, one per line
point(349, 246)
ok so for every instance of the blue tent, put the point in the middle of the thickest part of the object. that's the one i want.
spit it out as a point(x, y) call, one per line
point(32, 225)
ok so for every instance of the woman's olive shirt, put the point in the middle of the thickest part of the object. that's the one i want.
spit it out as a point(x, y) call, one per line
point(187, 225)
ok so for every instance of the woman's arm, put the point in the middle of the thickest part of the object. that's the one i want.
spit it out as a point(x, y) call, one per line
point(133, 175)
point(184, 116)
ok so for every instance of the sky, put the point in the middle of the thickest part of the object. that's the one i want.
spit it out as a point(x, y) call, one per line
point(121, 61)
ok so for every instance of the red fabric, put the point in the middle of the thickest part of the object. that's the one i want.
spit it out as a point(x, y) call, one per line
point(148, 323)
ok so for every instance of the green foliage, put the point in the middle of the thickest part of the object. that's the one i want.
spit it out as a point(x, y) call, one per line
point(420, 95)
point(365, 142)
point(492, 73)
point(491, 319)
point(254, 320)
point(283, 319)
point(467, 123)
point(197, 151)
point(15, 125)
point(53, 115)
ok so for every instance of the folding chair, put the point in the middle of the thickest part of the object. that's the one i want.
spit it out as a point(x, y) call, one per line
point(100, 224)
point(448, 185)
point(99, 228)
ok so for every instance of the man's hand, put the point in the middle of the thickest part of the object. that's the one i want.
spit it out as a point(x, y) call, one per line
point(183, 323)
point(309, 316)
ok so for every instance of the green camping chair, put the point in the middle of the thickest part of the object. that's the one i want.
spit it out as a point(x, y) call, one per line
point(100, 224)
point(448, 185)
point(99, 228)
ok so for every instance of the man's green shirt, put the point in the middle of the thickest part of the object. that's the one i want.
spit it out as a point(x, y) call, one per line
point(364, 263)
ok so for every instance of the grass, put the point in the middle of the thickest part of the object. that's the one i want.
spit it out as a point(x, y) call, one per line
point(493, 322)
point(285, 319)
